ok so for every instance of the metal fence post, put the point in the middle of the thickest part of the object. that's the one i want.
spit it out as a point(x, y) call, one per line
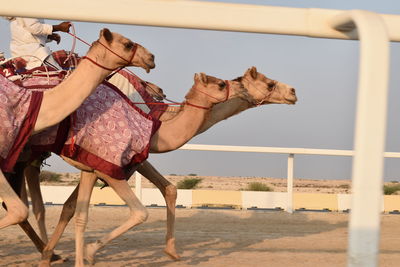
point(370, 133)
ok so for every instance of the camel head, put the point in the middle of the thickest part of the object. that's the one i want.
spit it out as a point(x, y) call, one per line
point(210, 90)
point(118, 51)
point(154, 91)
point(262, 90)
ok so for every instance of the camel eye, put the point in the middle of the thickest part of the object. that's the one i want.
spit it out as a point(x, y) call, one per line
point(129, 45)
point(271, 85)
point(221, 85)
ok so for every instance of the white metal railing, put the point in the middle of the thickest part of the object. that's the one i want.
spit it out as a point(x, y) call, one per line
point(291, 152)
point(373, 30)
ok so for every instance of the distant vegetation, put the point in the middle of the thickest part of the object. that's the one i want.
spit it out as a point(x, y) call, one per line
point(257, 186)
point(192, 174)
point(48, 176)
point(188, 183)
point(391, 189)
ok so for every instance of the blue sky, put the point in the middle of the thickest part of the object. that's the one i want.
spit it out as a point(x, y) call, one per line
point(323, 71)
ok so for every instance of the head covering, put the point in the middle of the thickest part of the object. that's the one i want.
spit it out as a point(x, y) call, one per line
point(1, 54)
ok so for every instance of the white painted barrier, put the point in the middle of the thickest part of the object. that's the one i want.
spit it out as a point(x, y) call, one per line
point(264, 200)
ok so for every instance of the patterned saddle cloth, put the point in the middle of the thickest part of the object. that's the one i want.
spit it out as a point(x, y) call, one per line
point(108, 132)
point(19, 109)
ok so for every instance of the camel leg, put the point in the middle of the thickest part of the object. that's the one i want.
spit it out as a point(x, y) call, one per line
point(66, 215)
point(138, 214)
point(32, 179)
point(87, 182)
point(17, 211)
point(24, 194)
point(169, 192)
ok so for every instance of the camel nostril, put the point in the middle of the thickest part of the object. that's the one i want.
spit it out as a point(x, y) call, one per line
point(152, 57)
point(293, 91)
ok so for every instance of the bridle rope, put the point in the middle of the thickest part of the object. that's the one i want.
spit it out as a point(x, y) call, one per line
point(134, 49)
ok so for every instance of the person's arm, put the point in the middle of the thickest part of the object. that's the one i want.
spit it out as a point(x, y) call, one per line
point(35, 27)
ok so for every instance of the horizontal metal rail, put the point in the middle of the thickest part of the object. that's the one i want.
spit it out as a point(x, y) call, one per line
point(311, 22)
point(279, 150)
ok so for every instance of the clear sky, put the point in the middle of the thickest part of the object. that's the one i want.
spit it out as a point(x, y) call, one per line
point(323, 71)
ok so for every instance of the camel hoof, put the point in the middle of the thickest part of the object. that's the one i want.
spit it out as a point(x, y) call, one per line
point(57, 258)
point(172, 254)
point(90, 251)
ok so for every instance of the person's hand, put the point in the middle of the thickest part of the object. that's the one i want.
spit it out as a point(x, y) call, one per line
point(19, 63)
point(54, 37)
point(62, 27)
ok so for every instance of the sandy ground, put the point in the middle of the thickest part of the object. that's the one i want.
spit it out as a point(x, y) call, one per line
point(236, 183)
point(212, 238)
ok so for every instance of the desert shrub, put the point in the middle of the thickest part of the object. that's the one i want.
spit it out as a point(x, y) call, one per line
point(48, 176)
point(390, 189)
point(192, 174)
point(188, 183)
point(257, 186)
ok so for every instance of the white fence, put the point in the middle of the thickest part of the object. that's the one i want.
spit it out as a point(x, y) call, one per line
point(290, 152)
point(373, 30)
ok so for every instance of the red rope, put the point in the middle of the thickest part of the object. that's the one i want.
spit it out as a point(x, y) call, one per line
point(133, 54)
point(97, 64)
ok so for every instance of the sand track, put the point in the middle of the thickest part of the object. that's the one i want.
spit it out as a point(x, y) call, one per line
point(211, 238)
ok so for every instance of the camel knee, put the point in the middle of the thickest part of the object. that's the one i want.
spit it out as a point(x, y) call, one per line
point(171, 192)
point(21, 214)
point(139, 216)
point(16, 216)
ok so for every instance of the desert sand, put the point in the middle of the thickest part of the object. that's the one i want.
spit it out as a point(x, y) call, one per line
point(208, 237)
point(211, 238)
point(236, 183)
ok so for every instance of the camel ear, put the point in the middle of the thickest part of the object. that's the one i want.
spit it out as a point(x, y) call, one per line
point(107, 35)
point(253, 72)
point(201, 77)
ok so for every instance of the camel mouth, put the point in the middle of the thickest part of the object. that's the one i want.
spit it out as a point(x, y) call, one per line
point(149, 66)
point(291, 101)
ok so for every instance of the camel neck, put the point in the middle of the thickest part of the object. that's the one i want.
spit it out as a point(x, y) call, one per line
point(177, 131)
point(66, 97)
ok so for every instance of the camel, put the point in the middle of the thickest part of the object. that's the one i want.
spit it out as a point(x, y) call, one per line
point(259, 90)
point(206, 91)
point(111, 51)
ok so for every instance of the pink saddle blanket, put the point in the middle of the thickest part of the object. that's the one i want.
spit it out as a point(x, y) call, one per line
point(19, 109)
point(108, 132)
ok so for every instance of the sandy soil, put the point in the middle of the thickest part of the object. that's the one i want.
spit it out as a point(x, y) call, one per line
point(239, 183)
point(236, 183)
point(212, 238)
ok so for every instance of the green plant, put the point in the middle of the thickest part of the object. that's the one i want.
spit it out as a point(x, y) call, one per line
point(192, 174)
point(48, 176)
point(390, 189)
point(257, 186)
point(188, 183)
